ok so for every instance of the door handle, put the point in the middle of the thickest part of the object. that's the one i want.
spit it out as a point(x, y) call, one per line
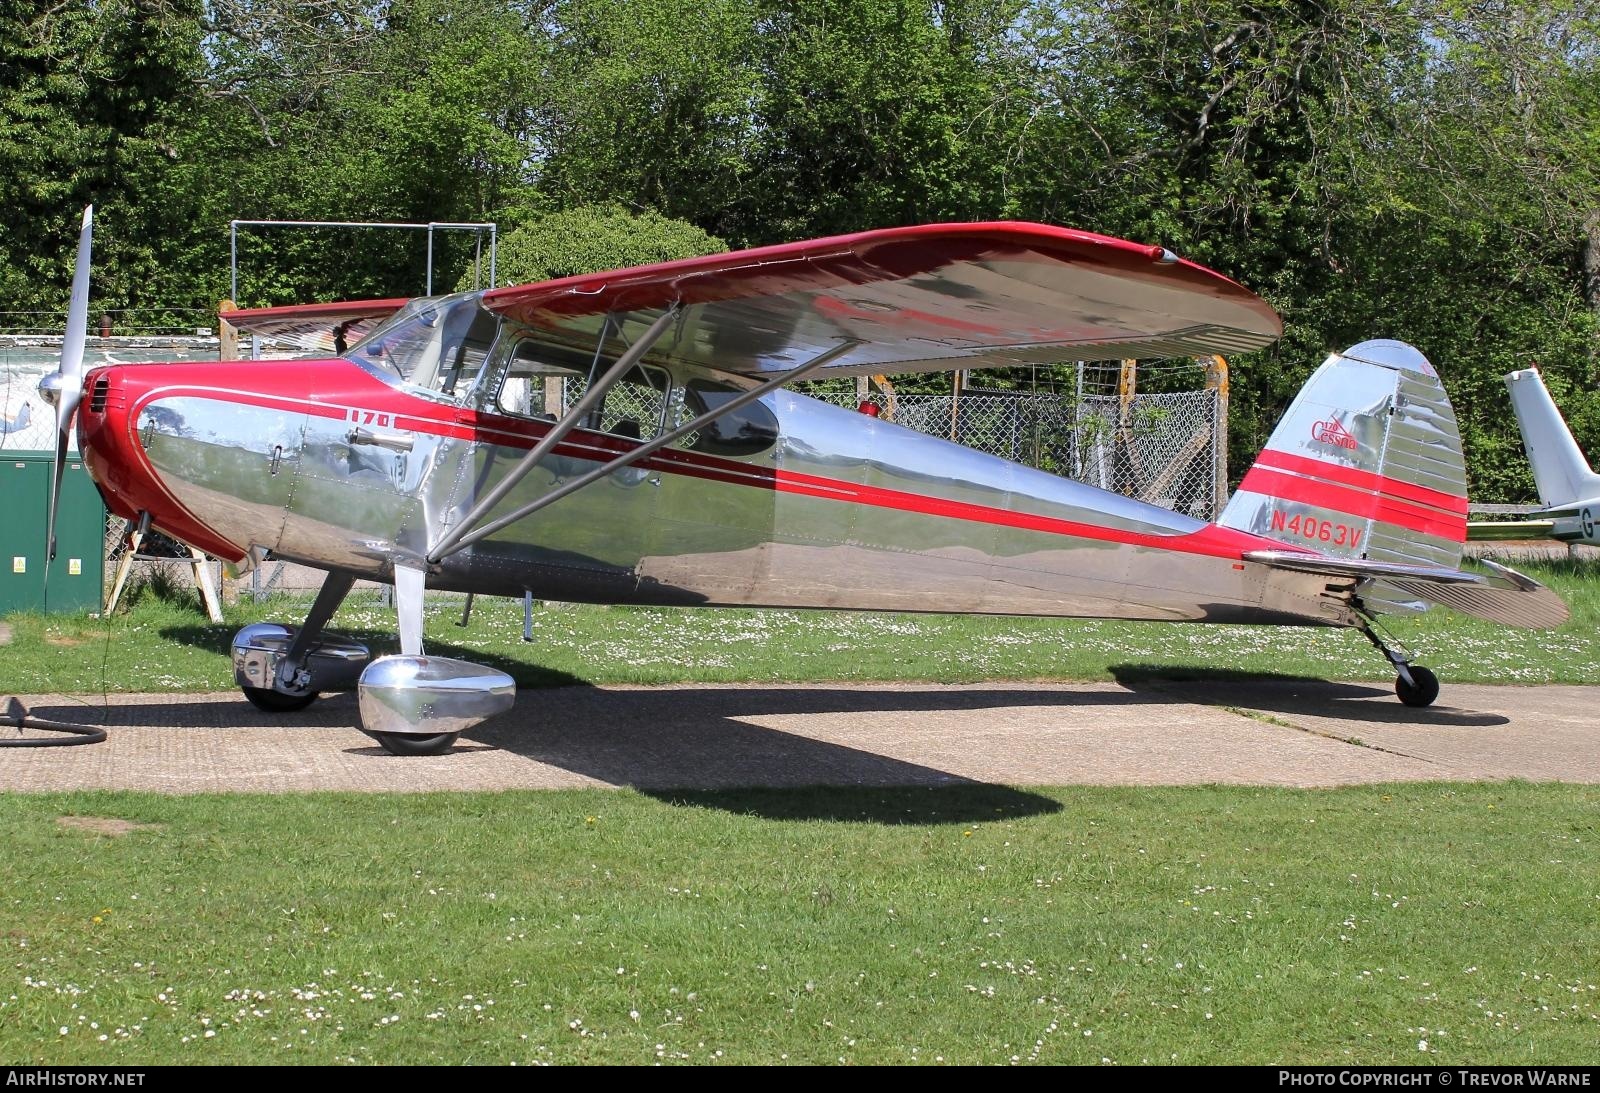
point(395, 442)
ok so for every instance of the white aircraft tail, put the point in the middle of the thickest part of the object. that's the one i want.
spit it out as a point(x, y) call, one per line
point(1560, 471)
point(1366, 465)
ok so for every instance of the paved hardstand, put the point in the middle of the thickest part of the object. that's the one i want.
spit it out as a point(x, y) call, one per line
point(1277, 732)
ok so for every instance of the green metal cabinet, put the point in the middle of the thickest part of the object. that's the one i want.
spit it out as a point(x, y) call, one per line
point(77, 576)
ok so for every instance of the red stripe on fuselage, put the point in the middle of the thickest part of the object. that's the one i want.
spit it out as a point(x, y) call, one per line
point(356, 389)
point(1210, 540)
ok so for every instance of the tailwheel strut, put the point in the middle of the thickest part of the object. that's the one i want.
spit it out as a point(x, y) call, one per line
point(1414, 685)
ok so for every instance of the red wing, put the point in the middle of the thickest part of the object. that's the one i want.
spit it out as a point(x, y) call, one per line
point(929, 298)
point(313, 327)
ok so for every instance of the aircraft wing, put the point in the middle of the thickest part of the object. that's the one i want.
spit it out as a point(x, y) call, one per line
point(935, 297)
point(312, 326)
point(1502, 595)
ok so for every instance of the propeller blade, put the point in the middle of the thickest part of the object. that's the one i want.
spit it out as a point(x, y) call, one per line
point(66, 385)
point(57, 467)
point(78, 312)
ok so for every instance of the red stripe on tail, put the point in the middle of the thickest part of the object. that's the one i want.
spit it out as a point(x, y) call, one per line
point(1363, 480)
point(1355, 502)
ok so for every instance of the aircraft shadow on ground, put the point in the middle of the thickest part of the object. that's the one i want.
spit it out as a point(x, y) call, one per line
point(1293, 694)
point(688, 746)
point(382, 642)
point(697, 747)
point(972, 802)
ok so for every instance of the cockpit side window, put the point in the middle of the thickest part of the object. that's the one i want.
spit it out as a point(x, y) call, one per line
point(534, 388)
point(634, 407)
point(636, 404)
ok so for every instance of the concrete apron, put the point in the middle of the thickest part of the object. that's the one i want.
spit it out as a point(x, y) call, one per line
point(1278, 732)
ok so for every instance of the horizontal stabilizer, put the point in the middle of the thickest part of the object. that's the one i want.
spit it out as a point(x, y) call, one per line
point(1504, 531)
point(1502, 595)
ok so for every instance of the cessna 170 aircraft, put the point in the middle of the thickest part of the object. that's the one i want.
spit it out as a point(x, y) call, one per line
point(626, 437)
point(1568, 487)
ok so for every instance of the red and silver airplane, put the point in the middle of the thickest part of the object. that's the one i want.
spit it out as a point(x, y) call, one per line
point(628, 437)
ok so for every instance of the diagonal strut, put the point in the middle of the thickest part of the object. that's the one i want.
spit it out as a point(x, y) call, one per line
point(452, 540)
point(626, 458)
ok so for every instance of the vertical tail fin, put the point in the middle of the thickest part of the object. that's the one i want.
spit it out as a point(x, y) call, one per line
point(1366, 463)
point(1560, 471)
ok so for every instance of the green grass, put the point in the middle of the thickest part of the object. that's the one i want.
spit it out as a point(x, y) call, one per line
point(974, 924)
point(164, 643)
point(971, 924)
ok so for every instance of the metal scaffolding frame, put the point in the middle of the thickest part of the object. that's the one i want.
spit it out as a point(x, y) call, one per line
point(430, 228)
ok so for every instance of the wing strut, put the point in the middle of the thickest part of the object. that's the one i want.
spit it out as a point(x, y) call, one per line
point(462, 539)
point(580, 409)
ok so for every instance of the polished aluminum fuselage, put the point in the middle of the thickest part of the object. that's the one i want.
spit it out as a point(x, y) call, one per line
point(326, 463)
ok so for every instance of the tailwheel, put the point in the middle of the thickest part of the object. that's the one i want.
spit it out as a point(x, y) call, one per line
point(1413, 684)
point(271, 701)
point(1421, 690)
point(401, 743)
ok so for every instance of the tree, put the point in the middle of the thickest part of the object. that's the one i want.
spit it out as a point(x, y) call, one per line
point(652, 105)
point(1373, 167)
point(877, 113)
point(90, 97)
point(1421, 169)
point(412, 111)
point(592, 239)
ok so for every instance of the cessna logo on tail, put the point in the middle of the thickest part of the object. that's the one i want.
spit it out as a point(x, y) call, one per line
point(1331, 432)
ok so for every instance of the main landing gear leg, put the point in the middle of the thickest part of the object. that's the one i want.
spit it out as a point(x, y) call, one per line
point(272, 663)
point(1413, 684)
point(409, 583)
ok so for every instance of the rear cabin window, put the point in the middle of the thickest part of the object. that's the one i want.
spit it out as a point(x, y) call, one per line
point(750, 429)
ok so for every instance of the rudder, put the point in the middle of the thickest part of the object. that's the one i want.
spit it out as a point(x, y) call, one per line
point(1366, 463)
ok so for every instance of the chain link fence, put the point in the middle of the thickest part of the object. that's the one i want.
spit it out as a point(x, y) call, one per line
point(1165, 445)
point(27, 421)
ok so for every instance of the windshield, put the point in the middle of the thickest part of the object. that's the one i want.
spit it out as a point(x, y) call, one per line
point(436, 342)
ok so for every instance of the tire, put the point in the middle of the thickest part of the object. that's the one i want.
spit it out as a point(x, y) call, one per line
point(399, 743)
point(276, 701)
point(1426, 687)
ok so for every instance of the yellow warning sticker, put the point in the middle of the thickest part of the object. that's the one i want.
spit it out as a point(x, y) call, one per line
point(19, 564)
point(74, 567)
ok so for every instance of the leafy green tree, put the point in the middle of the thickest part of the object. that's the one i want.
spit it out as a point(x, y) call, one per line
point(879, 112)
point(592, 239)
point(90, 98)
point(409, 111)
point(1421, 169)
point(1374, 167)
point(651, 104)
